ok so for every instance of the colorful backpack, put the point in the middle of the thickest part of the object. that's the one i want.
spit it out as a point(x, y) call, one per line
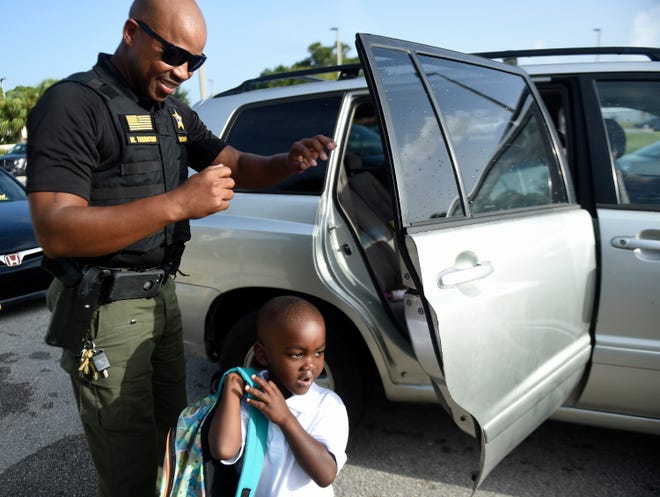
point(187, 462)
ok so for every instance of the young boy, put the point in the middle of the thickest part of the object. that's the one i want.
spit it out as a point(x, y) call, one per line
point(308, 429)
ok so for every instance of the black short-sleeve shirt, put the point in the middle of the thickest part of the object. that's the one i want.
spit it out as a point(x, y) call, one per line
point(71, 133)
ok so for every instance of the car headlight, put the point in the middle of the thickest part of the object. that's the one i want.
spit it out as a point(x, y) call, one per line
point(19, 166)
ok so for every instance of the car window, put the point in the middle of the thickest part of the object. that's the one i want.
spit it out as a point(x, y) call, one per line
point(368, 176)
point(631, 117)
point(10, 190)
point(497, 140)
point(19, 148)
point(424, 171)
point(272, 127)
point(364, 146)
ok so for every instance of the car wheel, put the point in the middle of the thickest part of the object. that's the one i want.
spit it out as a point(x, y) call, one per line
point(342, 372)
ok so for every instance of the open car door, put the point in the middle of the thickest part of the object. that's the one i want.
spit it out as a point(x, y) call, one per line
point(500, 259)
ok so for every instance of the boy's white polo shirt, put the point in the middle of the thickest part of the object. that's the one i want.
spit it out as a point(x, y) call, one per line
point(323, 415)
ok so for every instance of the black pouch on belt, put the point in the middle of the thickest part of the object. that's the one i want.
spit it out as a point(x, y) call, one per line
point(74, 309)
point(134, 284)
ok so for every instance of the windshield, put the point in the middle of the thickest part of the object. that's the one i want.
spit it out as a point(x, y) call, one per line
point(19, 148)
point(10, 189)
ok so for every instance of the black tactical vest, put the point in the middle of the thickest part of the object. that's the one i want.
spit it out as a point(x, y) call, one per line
point(152, 160)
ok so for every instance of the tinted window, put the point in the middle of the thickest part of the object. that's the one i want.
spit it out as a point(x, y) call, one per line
point(481, 121)
point(631, 117)
point(424, 173)
point(19, 148)
point(10, 189)
point(364, 146)
point(272, 128)
point(498, 136)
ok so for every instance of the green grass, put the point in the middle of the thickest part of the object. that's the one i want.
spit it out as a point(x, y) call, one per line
point(640, 138)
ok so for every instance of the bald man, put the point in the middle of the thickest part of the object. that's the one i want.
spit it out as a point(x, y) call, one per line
point(109, 152)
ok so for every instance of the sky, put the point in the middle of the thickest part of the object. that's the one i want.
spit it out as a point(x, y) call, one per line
point(42, 39)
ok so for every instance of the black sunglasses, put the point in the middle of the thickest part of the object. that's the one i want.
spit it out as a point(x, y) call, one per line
point(173, 55)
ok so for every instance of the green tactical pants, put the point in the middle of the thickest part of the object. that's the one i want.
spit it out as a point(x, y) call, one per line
point(126, 416)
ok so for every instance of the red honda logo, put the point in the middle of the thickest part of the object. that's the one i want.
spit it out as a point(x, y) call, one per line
point(13, 259)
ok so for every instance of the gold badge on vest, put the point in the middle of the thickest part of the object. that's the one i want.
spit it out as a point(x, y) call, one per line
point(181, 133)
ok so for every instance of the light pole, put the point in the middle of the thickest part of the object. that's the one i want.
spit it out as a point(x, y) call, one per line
point(598, 33)
point(2, 86)
point(339, 50)
point(201, 74)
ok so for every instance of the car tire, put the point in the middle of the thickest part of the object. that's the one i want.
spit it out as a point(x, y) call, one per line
point(342, 373)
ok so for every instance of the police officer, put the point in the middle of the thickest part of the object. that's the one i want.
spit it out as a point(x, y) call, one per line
point(108, 156)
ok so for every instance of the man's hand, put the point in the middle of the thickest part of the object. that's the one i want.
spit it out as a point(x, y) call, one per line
point(303, 153)
point(205, 193)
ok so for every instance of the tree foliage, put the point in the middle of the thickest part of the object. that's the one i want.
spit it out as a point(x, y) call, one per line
point(182, 95)
point(15, 105)
point(319, 56)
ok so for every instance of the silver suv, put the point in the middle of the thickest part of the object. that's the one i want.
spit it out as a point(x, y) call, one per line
point(484, 236)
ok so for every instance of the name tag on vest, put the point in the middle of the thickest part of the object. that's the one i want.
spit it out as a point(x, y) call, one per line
point(142, 139)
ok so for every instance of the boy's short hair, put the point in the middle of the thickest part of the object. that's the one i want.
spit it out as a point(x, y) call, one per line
point(285, 309)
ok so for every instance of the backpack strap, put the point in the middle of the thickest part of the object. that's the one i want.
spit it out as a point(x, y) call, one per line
point(255, 439)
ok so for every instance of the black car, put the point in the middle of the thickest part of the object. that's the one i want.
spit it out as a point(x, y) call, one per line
point(15, 160)
point(653, 123)
point(21, 275)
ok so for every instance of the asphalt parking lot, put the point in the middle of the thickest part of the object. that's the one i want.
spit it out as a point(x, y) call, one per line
point(399, 449)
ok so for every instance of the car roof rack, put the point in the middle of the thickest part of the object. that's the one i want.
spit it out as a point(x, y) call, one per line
point(351, 71)
point(512, 55)
point(346, 71)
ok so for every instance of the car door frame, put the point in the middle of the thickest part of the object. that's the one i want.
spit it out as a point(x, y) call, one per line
point(619, 390)
point(498, 432)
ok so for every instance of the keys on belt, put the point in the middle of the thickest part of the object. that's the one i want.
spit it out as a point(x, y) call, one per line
point(117, 284)
point(94, 364)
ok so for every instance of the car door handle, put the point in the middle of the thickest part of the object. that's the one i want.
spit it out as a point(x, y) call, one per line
point(630, 243)
point(456, 276)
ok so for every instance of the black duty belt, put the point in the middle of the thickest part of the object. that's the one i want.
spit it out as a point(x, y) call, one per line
point(95, 286)
point(124, 284)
